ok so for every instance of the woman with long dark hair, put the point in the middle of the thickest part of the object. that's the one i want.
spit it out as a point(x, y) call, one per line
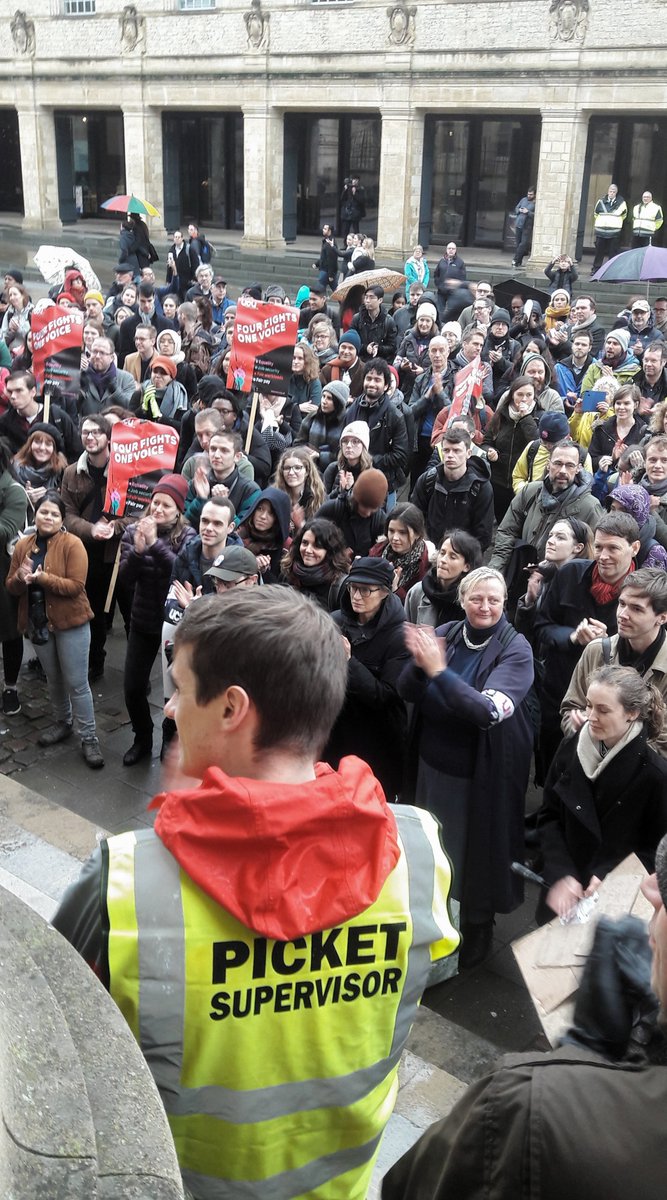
point(316, 562)
point(435, 599)
point(40, 463)
point(404, 546)
point(13, 506)
point(512, 427)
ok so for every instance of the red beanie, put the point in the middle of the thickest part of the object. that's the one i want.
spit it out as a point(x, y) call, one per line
point(161, 360)
point(175, 486)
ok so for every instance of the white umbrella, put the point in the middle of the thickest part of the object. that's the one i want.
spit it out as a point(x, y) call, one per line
point(54, 261)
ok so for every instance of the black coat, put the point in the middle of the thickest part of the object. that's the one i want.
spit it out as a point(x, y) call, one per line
point(373, 722)
point(465, 504)
point(389, 443)
point(381, 330)
point(587, 827)
point(128, 329)
point(605, 437)
point(509, 438)
point(568, 601)
point(359, 533)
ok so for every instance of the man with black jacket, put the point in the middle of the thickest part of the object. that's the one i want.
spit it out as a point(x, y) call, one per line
point(25, 409)
point(389, 447)
point(327, 263)
point(182, 262)
point(457, 494)
point(375, 327)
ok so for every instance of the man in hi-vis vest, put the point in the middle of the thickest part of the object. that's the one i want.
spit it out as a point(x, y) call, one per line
point(608, 217)
point(269, 941)
point(647, 219)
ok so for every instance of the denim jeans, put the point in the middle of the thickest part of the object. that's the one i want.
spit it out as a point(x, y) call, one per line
point(65, 661)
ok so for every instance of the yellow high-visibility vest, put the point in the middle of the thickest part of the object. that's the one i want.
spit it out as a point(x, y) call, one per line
point(276, 1061)
point(609, 221)
point(646, 219)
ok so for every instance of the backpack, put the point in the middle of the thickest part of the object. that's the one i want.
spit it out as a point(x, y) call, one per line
point(207, 251)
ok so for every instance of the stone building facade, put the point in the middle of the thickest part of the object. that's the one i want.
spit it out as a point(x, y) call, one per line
point(250, 114)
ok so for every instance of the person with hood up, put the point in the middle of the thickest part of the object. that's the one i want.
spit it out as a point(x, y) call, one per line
point(536, 368)
point(528, 322)
point(632, 498)
point(217, 875)
point(161, 398)
point(457, 493)
point(511, 428)
point(499, 348)
point(625, 428)
point(565, 491)
point(168, 344)
point(320, 431)
point(360, 514)
point(372, 724)
point(615, 360)
point(265, 531)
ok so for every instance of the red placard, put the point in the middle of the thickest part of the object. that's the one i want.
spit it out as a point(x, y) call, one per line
point(57, 337)
point(140, 453)
point(262, 346)
point(467, 388)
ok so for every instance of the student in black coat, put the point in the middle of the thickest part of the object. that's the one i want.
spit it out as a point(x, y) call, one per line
point(373, 723)
point(359, 514)
point(605, 796)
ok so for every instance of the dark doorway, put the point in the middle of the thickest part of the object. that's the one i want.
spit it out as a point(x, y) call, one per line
point(90, 150)
point(320, 152)
point(627, 151)
point(11, 182)
point(203, 169)
point(475, 169)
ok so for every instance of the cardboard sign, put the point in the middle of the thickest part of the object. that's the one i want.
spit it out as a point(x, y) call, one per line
point(262, 347)
point(467, 389)
point(140, 453)
point(57, 337)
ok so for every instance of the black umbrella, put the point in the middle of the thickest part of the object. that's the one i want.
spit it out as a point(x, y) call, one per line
point(504, 292)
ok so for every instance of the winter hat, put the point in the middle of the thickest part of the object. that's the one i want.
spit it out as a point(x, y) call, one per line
point(622, 336)
point(376, 572)
point(532, 356)
point(175, 486)
point(52, 431)
point(209, 387)
point(501, 314)
point(176, 338)
point(15, 274)
point(353, 337)
point(452, 327)
point(94, 296)
point(427, 310)
point(275, 291)
point(123, 268)
point(394, 372)
point(66, 296)
point(370, 488)
point(339, 390)
point(553, 427)
point(161, 360)
point(357, 429)
point(254, 290)
point(633, 499)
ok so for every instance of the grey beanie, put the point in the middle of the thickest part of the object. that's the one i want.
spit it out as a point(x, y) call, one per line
point(338, 389)
point(622, 336)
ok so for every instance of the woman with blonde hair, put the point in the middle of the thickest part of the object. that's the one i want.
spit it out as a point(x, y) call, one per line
point(297, 475)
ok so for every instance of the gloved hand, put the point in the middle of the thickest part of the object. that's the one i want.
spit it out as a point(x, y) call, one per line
point(615, 989)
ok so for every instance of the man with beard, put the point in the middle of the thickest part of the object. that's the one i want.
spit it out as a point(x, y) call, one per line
point(616, 360)
point(527, 1128)
point(569, 372)
point(389, 447)
point(565, 491)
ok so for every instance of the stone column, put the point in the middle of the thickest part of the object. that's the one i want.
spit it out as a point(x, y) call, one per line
point(559, 183)
point(39, 168)
point(142, 129)
point(401, 158)
point(263, 133)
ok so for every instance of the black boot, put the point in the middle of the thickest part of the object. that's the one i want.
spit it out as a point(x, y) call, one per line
point(168, 734)
point(139, 749)
point(476, 943)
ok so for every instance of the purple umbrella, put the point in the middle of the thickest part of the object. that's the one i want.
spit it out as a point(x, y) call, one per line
point(646, 264)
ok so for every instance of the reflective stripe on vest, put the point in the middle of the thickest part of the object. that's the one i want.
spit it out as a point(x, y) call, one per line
point(608, 221)
point(646, 219)
point(225, 1016)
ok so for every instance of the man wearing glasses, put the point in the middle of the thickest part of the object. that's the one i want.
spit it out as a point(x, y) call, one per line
point(103, 383)
point(83, 490)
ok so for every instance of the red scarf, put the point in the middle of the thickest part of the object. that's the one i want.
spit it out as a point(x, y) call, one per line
point(604, 593)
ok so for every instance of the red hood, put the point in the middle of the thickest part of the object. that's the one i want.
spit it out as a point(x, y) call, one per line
point(286, 859)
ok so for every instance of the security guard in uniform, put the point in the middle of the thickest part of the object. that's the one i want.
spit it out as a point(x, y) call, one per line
point(647, 219)
point(270, 939)
point(608, 217)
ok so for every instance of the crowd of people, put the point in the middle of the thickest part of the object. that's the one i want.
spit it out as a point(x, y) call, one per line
point(496, 577)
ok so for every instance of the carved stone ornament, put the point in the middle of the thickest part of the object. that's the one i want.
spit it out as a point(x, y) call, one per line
point(23, 34)
point(132, 29)
point(568, 20)
point(401, 25)
point(257, 25)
